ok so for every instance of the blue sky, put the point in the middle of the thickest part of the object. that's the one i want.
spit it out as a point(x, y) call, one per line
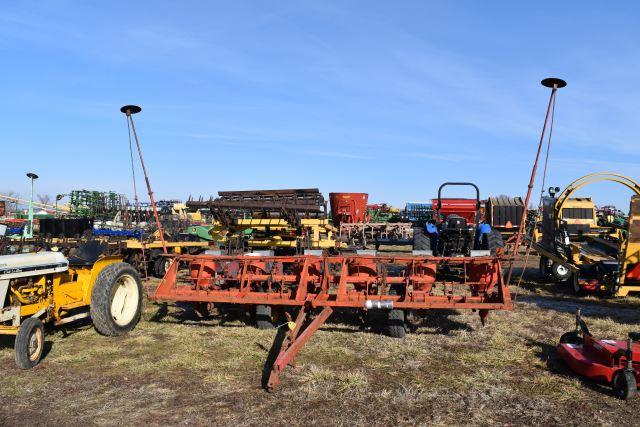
point(389, 98)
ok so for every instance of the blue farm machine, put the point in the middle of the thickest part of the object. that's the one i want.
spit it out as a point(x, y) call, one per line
point(458, 228)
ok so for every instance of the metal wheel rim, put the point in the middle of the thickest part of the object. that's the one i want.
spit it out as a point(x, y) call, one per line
point(562, 270)
point(34, 347)
point(125, 300)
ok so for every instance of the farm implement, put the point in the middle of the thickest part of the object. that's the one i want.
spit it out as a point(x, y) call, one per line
point(362, 226)
point(612, 362)
point(575, 249)
point(285, 221)
point(399, 287)
point(462, 270)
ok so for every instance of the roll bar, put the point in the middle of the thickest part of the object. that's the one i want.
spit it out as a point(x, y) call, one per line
point(470, 184)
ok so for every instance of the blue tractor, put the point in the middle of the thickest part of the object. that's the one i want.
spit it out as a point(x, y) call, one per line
point(457, 228)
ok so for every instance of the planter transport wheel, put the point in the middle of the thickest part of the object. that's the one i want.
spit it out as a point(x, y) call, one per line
point(264, 319)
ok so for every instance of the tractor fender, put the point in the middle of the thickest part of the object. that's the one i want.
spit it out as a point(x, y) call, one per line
point(484, 229)
point(96, 269)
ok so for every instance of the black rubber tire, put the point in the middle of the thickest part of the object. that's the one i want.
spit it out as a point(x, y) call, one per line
point(104, 290)
point(395, 323)
point(203, 310)
point(624, 385)
point(161, 265)
point(421, 241)
point(494, 241)
point(571, 338)
point(29, 344)
point(577, 289)
point(560, 272)
point(545, 268)
point(264, 319)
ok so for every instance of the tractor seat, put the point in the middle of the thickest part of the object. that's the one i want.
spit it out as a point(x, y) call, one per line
point(455, 221)
point(87, 253)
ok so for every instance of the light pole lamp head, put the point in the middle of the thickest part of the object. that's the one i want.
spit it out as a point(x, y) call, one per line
point(32, 175)
point(553, 82)
point(130, 109)
point(60, 197)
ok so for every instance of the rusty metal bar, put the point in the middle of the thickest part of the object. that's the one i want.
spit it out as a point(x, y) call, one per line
point(129, 110)
point(293, 344)
point(554, 84)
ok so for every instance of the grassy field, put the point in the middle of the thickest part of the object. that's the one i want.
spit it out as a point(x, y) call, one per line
point(174, 369)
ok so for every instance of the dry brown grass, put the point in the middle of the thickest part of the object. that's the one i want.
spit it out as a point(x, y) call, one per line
point(173, 369)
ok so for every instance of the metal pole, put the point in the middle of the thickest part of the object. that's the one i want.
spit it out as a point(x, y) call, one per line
point(554, 84)
point(129, 110)
point(29, 234)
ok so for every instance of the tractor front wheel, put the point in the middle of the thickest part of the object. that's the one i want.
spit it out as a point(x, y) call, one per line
point(116, 299)
point(624, 384)
point(29, 343)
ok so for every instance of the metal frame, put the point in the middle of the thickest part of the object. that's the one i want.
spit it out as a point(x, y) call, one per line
point(327, 282)
point(629, 247)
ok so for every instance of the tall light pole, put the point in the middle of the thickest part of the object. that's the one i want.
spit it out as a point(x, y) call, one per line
point(28, 231)
point(129, 110)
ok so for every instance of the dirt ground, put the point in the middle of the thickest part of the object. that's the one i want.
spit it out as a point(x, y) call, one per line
point(174, 369)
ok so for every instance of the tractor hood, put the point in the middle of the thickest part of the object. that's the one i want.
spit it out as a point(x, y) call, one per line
point(32, 264)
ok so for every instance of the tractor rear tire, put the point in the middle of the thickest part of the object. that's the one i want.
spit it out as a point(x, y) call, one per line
point(264, 318)
point(624, 385)
point(494, 242)
point(421, 241)
point(116, 300)
point(395, 323)
point(29, 343)
point(560, 272)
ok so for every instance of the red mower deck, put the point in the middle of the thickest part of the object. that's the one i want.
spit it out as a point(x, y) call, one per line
point(612, 362)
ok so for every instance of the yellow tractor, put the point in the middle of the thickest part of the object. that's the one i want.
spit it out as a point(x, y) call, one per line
point(47, 287)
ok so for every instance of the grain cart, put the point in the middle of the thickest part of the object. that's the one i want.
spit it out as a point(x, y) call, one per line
point(47, 287)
